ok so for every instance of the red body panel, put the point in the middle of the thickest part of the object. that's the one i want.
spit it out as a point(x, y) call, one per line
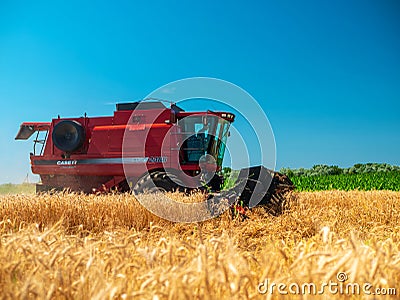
point(129, 143)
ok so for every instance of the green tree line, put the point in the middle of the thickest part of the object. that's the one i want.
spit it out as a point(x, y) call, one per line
point(318, 170)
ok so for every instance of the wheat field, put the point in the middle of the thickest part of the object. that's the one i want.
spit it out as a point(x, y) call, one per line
point(75, 246)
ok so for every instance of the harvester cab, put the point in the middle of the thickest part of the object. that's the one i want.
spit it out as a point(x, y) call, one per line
point(145, 146)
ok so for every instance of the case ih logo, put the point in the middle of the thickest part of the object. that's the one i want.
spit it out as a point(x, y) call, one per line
point(67, 162)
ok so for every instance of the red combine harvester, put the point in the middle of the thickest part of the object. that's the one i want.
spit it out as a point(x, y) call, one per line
point(145, 146)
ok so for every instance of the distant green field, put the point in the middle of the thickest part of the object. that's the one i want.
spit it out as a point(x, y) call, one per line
point(347, 182)
point(10, 188)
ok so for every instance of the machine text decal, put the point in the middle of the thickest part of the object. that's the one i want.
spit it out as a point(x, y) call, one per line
point(117, 160)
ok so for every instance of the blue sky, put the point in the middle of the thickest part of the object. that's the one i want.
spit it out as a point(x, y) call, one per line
point(326, 73)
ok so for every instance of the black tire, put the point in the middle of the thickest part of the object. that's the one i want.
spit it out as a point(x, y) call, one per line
point(159, 181)
point(68, 136)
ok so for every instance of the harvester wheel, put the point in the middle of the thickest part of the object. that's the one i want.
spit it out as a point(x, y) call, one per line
point(159, 181)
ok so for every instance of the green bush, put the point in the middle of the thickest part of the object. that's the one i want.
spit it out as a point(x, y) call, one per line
point(335, 170)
